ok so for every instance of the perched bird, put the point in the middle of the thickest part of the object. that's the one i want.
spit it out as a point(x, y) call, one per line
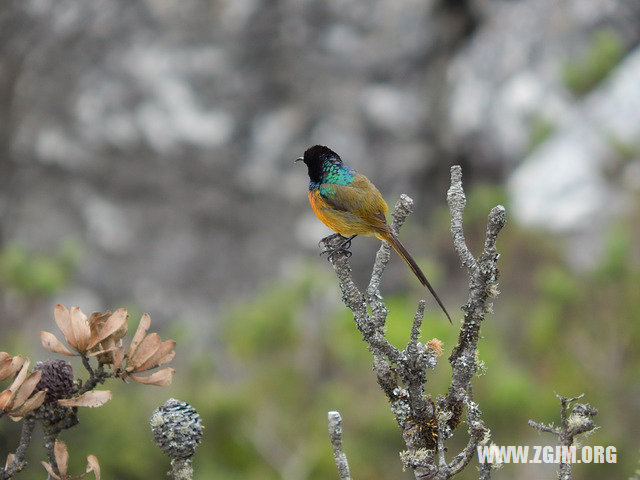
point(349, 204)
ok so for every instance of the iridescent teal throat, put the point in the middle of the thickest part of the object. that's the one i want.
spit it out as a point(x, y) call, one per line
point(338, 174)
point(333, 173)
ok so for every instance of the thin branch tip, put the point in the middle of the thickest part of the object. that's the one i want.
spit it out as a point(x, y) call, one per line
point(335, 436)
point(498, 216)
point(456, 173)
point(580, 421)
point(406, 200)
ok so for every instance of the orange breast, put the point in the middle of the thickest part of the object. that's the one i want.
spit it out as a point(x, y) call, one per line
point(340, 221)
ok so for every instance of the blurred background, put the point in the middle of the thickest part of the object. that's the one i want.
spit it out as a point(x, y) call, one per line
point(146, 161)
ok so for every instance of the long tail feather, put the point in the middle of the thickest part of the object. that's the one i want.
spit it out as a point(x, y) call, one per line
point(398, 247)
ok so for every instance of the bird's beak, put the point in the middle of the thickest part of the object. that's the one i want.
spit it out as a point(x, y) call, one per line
point(299, 159)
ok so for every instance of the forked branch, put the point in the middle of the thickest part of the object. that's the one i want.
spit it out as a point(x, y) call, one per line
point(402, 374)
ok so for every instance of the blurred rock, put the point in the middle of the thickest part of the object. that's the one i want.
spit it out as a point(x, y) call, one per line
point(572, 184)
point(394, 110)
point(162, 135)
point(511, 72)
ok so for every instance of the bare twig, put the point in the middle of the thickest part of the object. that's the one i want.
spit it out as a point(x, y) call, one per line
point(55, 418)
point(457, 201)
point(371, 327)
point(335, 436)
point(49, 445)
point(412, 346)
point(545, 428)
point(477, 434)
point(483, 277)
point(18, 461)
point(402, 374)
point(579, 421)
point(485, 471)
point(96, 377)
point(181, 469)
point(402, 209)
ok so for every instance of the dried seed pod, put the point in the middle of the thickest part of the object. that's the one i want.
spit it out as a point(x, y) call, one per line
point(176, 428)
point(57, 379)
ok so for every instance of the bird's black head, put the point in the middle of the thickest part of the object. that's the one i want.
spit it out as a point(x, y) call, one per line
point(317, 159)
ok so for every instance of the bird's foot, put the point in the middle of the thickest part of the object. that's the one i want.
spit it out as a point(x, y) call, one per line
point(330, 238)
point(342, 247)
point(331, 252)
point(347, 243)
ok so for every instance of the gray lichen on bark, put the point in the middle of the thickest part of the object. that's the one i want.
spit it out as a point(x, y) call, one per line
point(402, 374)
point(580, 421)
point(335, 437)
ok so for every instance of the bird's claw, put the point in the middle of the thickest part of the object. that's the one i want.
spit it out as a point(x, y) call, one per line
point(330, 252)
point(342, 247)
point(329, 238)
point(346, 245)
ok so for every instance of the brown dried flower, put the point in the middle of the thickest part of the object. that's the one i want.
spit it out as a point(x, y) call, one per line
point(17, 400)
point(145, 353)
point(98, 322)
point(9, 365)
point(62, 459)
point(85, 335)
point(101, 335)
point(91, 399)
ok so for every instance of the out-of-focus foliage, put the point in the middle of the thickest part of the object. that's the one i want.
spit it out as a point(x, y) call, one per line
point(625, 150)
point(296, 361)
point(602, 55)
point(32, 274)
point(285, 357)
point(541, 129)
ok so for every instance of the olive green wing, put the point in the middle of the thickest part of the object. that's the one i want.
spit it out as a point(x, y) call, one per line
point(360, 197)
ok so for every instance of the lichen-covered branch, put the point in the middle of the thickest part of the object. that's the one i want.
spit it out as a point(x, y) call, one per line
point(402, 374)
point(49, 445)
point(96, 377)
point(54, 418)
point(483, 278)
point(335, 436)
point(457, 202)
point(181, 469)
point(371, 327)
point(19, 462)
point(578, 422)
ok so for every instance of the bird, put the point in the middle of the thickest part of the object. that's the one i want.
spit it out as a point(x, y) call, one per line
point(350, 204)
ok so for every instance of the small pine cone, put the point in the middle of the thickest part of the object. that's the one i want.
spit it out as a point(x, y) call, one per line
point(176, 428)
point(57, 379)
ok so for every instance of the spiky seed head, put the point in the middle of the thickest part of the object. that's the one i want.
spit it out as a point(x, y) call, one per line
point(57, 379)
point(176, 428)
